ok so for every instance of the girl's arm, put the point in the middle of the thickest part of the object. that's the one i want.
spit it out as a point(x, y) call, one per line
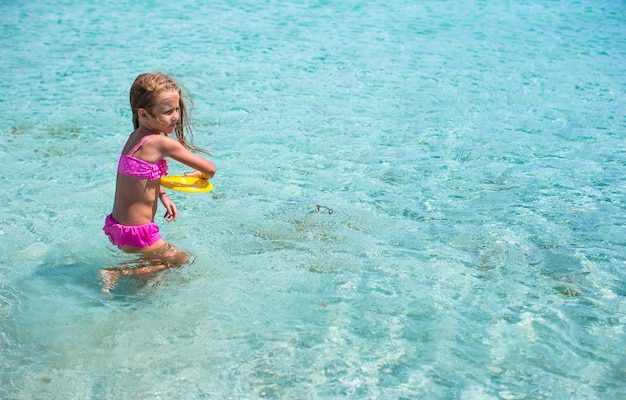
point(172, 148)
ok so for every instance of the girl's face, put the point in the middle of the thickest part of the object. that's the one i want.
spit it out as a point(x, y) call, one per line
point(165, 113)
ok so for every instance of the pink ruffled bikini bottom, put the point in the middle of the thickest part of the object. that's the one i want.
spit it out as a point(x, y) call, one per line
point(131, 235)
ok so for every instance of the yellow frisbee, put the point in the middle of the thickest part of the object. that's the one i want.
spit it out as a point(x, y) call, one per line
point(186, 183)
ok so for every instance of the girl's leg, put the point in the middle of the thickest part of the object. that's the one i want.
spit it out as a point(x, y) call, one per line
point(152, 261)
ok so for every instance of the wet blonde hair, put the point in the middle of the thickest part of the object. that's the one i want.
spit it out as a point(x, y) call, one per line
point(143, 93)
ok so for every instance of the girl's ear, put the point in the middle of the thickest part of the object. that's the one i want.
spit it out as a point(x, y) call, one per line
point(142, 113)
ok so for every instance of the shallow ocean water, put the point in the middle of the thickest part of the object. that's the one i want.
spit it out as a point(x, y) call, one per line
point(472, 154)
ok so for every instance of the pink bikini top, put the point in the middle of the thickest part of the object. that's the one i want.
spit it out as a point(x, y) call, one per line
point(131, 166)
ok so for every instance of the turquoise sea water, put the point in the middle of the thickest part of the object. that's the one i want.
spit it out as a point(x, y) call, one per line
point(472, 154)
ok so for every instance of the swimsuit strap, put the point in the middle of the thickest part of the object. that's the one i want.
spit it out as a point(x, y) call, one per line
point(144, 140)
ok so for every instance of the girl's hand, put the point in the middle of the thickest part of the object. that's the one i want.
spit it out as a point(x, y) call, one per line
point(196, 174)
point(170, 208)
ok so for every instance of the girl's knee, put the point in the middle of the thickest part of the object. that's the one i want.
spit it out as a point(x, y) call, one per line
point(180, 257)
point(169, 255)
point(174, 256)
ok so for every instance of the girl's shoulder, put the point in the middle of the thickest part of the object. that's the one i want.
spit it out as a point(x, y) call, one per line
point(164, 141)
point(135, 142)
point(166, 145)
point(156, 140)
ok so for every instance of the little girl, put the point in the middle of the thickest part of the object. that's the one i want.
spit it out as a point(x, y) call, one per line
point(159, 109)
